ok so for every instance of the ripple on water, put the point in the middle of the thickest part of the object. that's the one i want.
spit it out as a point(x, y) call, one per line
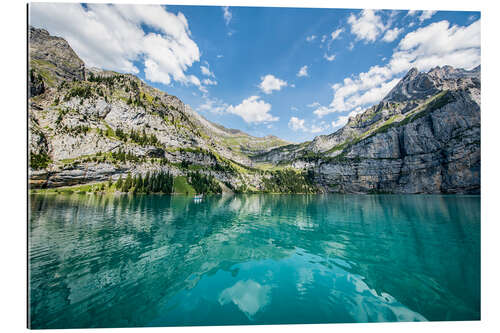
point(251, 259)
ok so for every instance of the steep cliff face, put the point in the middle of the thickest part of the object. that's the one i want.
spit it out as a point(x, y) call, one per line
point(423, 137)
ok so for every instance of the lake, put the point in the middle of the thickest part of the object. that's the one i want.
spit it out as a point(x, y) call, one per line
point(123, 261)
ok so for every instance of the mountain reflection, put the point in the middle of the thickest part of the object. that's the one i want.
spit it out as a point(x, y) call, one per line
point(113, 261)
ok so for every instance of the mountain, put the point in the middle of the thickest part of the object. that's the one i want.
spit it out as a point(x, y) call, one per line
point(83, 120)
point(423, 137)
point(88, 125)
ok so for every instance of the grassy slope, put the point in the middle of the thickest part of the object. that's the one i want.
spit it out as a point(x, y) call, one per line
point(181, 186)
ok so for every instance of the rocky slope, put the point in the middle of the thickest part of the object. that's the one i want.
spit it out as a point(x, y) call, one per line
point(423, 137)
point(89, 125)
point(81, 118)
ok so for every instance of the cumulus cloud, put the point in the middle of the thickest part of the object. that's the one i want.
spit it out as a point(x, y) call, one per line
point(437, 44)
point(227, 15)
point(296, 124)
point(392, 34)
point(303, 71)
point(113, 37)
point(367, 25)
point(270, 83)
point(426, 14)
point(253, 110)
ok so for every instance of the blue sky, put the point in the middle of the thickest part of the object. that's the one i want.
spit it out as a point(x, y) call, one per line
point(292, 72)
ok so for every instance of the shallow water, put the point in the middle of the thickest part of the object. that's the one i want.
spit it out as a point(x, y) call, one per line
point(105, 261)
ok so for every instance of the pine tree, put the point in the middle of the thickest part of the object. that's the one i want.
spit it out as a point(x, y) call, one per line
point(119, 183)
point(128, 183)
point(139, 184)
point(146, 183)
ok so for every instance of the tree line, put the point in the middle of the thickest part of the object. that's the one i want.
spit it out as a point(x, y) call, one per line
point(157, 182)
point(206, 184)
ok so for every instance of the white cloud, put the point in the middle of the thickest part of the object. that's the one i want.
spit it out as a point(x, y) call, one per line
point(412, 12)
point(323, 38)
point(206, 71)
point(329, 57)
point(220, 56)
point(297, 124)
point(213, 105)
point(437, 44)
point(209, 82)
point(227, 15)
point(351, 46)
point(426, 14)
point(113, 37)
point(253, 110)
point(392, 34)
point(323, 110)
point(319, 128)
point(303, 71)
point(367, 26)
point(270, 83)
point(313, 105)
point(335, 34)
point(310, 38)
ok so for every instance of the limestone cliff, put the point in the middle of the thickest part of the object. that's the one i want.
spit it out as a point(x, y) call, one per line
point(423, 137)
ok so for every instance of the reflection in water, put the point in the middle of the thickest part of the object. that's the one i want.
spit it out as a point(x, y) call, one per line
point(106, 261)
point(249, 296)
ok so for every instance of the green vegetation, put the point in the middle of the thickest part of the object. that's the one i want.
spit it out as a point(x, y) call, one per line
point(143, 139)
point(206, 184)
point(39, 161)
point(77, 189)
point(140, 138)
point(182, 186)
point(289, 181)
point(251, 145)
point(43, 70)
point(158, 182)
point(121, 156)
point(78, 91)
point(75, 130)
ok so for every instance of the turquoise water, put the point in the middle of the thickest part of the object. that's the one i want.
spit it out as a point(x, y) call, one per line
point(105, 261)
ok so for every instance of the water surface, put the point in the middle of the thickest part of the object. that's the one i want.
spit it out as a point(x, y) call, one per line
point(106, 261)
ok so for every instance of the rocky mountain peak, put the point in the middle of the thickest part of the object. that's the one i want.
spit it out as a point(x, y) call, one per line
point(412, 73)
point(52, 58)
point(414, 85)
